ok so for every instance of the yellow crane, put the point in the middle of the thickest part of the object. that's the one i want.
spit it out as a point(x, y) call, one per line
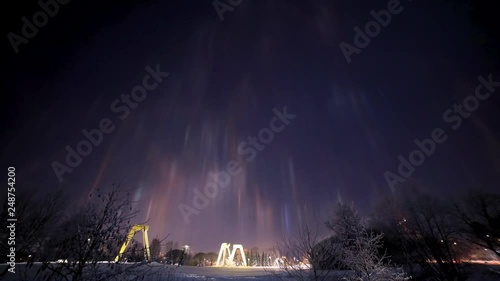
point(138, 227)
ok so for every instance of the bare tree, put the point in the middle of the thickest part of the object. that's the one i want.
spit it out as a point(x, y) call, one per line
point(479, 212)
point(387, 219)
point(431, 236)
point(89, 236)
point(36, 215)
point(306, 257)
point(155, 249)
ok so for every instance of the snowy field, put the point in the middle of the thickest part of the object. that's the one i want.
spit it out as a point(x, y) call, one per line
point(157, 272)
point(160, 272)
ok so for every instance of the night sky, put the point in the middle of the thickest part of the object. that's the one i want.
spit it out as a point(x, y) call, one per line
point(226, 81)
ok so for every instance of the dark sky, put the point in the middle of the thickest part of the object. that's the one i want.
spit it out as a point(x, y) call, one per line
point(225, 78)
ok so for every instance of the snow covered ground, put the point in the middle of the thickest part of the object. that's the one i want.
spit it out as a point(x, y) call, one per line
point(157, 272)
point(160, 272)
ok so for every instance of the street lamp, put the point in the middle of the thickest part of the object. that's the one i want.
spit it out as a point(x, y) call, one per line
point(186, 249)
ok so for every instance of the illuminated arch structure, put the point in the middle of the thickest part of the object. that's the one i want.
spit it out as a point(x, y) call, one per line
point(226, 256)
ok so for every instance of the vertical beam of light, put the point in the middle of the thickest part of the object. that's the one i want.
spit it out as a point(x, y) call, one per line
point(163, 197)
point(102, 168)
point(293, 186)
point(186, 137)
point(258, 207)
point(148, 214)
point(287, 219)
point(239, 201)
point(491, 142)
point(269, 216)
